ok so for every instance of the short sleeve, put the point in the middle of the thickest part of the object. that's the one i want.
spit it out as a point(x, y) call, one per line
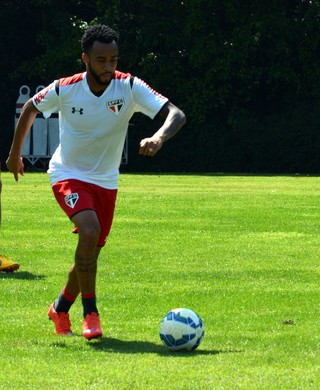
point(146, 99)
point(47, 100)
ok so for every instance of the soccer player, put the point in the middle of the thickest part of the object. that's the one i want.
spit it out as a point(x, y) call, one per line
point(94, 111)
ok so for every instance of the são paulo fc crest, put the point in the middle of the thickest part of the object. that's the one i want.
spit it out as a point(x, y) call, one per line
point(71, 199)
point(115, 105)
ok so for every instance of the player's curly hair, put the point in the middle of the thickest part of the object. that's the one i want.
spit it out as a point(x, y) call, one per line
point(98, 32)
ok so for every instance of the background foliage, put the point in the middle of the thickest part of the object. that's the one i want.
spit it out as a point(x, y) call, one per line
point(245, 73)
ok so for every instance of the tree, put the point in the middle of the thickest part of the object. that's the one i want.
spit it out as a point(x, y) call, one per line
point(245, 73)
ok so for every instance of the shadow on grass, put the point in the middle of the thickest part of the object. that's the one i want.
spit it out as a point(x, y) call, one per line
point(108, 344)
point(21, 275)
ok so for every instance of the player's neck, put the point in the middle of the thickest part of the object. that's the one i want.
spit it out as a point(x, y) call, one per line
point(96, 88)
point(97, 93)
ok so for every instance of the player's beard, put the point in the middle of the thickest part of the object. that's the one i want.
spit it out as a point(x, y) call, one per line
point(96, 77)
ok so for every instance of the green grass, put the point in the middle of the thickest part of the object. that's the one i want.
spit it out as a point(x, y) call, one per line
point(242, 251)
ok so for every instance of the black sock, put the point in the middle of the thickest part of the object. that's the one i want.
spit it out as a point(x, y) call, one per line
point(89, 305)
point(62, 304)
point(64, 301)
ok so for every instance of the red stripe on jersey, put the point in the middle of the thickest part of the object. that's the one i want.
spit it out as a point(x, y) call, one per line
point(121, 75)
point(71, 80)
point(152, 90)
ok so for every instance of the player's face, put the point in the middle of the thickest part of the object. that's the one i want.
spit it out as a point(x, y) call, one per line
point(101, 62)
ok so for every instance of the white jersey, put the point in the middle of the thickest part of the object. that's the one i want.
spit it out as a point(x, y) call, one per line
point(93, 129)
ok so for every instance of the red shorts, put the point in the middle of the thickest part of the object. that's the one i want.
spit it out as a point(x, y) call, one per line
point(74, 196)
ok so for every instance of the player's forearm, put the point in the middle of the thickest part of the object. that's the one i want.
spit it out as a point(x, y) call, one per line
point(172, 124)
point(26, 119)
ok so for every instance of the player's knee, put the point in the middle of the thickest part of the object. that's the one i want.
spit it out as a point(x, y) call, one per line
point(89, 233)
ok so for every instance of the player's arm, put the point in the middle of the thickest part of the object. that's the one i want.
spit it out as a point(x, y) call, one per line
point(26, 119)
point(174, 119)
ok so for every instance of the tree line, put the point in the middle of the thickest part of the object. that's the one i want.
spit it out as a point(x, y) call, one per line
point(245, 73)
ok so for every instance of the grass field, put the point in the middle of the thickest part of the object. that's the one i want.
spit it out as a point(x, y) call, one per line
point(242, 251)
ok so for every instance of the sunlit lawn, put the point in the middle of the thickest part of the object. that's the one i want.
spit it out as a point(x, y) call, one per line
point(242, 251)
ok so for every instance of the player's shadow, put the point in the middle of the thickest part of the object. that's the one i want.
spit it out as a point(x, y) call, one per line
point(108, 344)
point(21, 275)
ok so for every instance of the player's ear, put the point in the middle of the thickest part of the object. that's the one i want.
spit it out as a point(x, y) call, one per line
point(85, 58)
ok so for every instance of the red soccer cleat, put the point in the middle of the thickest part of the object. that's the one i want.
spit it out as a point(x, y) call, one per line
point(61, 321)
point(91, 326)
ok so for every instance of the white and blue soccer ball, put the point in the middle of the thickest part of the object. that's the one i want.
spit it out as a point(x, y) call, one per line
point(181, 329)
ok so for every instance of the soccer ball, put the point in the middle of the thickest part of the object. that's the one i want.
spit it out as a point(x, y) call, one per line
point(181, 329)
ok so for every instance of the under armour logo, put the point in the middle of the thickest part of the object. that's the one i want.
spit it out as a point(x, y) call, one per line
point(71, 199)
point(74, 110)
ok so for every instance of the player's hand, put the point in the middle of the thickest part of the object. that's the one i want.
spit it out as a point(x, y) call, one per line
point(15, 166)
point(150, 146)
